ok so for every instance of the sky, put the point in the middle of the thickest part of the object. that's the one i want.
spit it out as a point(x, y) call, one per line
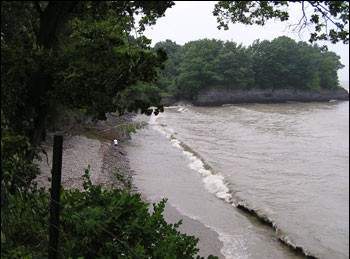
point(192, 20)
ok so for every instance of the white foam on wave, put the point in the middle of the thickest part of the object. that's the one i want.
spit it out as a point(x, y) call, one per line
point(152, 120)
point(214, 183)
point(182, 109)
point(233, 246)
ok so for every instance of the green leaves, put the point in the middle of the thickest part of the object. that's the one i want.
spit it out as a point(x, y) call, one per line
point(94, 223)
point(139, 97)
point(18, 170)
point(278, 64)
point(25, 235)
point(325, 14)
point(284, 63)
point(248, 12)
point(80, 55)
point(101, 62)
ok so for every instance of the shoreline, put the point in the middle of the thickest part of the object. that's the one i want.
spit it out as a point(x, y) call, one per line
point(209, 242)
point(110, 168)
point(218, 97)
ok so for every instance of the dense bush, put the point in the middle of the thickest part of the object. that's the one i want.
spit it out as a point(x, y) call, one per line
point(94, 223)
point(17, 168)
point(24, 224)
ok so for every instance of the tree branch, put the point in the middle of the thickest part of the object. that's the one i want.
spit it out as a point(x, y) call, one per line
point(303, 17)
point(302, 23)
point(324, 13)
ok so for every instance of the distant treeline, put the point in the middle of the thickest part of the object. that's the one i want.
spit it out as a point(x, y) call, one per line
point(276, 64)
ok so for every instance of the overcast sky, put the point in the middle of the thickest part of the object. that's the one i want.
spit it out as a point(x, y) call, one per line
point(193, 20)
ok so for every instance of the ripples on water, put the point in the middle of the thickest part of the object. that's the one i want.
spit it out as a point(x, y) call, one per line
point(289, 162)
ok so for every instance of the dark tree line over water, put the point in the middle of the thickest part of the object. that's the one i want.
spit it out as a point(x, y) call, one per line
point(277, 64)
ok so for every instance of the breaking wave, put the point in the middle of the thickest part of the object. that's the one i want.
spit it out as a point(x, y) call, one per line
point(264, 219)
point(215, 183)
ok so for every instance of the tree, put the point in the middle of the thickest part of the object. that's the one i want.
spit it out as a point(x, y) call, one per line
point(99, 61)
point(198, 67)
point(329, 65)
point(166, 81)
point(325, 13)
point(73, 49)
point(275, 63)
point(235, 65)
point(284, 63)
point(278, 64)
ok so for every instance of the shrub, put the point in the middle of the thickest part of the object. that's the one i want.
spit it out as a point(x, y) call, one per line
point(94, 223)
point(24, 225)
point(18, 169)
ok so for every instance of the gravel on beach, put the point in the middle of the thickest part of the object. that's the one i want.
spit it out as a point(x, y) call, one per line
point(90, 146)
point(79, 152)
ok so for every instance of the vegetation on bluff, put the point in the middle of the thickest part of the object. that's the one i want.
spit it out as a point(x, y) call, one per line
point(277, 64)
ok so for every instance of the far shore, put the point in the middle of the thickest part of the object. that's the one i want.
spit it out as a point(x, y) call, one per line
point(217, 97)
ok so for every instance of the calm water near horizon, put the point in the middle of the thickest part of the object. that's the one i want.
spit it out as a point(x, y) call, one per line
point(288, 162)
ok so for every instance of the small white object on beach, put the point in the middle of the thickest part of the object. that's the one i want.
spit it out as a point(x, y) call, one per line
point(115, 142)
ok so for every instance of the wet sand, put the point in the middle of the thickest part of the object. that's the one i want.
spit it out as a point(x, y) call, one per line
point(209, 243)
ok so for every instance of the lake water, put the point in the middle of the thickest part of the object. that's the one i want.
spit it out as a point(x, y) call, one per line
point(289, 163)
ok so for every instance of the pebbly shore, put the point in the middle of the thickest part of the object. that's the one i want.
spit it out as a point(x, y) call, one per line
point(93, 146)
point(90, 146)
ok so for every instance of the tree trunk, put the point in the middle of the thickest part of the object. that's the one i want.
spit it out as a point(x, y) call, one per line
point(51, 19)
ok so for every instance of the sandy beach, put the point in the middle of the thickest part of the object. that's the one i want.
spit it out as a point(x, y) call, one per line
point(109, 167)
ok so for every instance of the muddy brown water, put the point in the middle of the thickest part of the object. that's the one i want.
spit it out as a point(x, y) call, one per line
point(289, 163)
